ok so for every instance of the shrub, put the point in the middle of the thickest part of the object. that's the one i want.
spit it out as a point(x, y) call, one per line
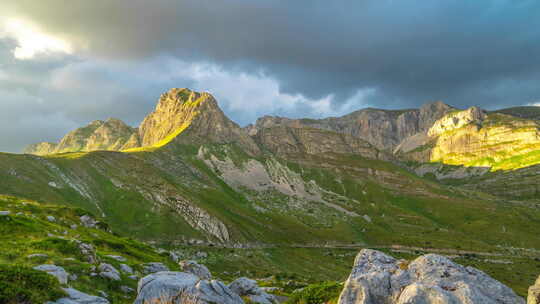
point(321, 293)
point(21, 285)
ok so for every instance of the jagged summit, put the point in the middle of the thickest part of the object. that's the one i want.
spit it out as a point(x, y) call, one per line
point(180, 111)
point(111, 134)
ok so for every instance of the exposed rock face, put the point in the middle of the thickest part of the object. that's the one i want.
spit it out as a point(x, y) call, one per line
point(284, 140)
point(112, 135)
point(154, 267)
point(534, 293)
point(377, 278)
point(42, 148)
point(197, 269)
point(473, 137)
point(77, 297)
point(384, 129)
point(183, 288)
point(55, 271)
point(248, 288)
point(196, 116)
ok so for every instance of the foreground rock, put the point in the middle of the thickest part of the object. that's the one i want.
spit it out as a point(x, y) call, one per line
point(245, 287)
point(56, 271)
point(77, 297)
point(197, 269)
point(378, 278)
point(186, 288)
point(150, 268)
point(534, 293)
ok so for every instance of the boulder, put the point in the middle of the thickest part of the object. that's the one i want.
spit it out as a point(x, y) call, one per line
point(77, 297)
point(534, 293)
point(197, 269)
point(245, 287)
point(117, 258)
point(109, 272)
point(37, 255)
point(126, 269)
point(183, 288)
point(4, 213)
point(51, 218)
point(379, 278)
point(88, 222)
point(150, 268)
point(88, 252)
point(54, 270)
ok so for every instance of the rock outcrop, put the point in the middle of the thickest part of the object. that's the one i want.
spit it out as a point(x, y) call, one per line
point(534, 293)
point(183, 288)
point(377, 278)
point(196, 116)
point(56, 271)
point(384, 129)
point(77, 297)
point(197, 269)
point(111, 135)
point(245, 287)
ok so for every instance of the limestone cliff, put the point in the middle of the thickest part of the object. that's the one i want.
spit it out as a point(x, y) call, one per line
point(384, 129)
point(474, 137)
point(196, 116)
point(98, 135)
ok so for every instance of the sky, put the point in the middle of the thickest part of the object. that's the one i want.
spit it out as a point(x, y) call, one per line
point(66, 63)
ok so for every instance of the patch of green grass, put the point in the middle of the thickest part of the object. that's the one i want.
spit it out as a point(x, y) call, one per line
point(325, 292)
point(21, 284)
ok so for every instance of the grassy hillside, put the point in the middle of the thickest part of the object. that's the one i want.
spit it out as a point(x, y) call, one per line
point(27, 231)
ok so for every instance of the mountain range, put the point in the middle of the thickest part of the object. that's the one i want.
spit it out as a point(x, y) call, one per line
point(433, 178)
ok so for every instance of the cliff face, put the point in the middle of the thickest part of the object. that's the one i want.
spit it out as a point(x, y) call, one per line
point(384, 129)
point(196, 116)
point(474, 137)
point(98, 135)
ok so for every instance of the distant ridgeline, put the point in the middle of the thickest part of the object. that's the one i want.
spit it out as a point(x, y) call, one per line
point(372, 177)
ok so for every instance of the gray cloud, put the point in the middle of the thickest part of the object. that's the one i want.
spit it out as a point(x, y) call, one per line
point(405, 53)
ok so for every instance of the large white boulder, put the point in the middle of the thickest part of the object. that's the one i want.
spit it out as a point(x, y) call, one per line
point(183, 288)
point(377, 278)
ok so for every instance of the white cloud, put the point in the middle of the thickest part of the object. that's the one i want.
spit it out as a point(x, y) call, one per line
point(31, 41)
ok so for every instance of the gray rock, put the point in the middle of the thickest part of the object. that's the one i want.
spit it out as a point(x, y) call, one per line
point(54, 270)
point(73, 226)
point(127, 289)
point(108, 271)
point(245, 287)
point(88, 252)
point(118, 258)
point(4, 213)
point(150, 268)
point(51, 218)
point(133, 277)
point(379, 278)
point(73, 277)
point(77, 297)
point(126, 269)
point(88, 222)
point(534, 293)
point(197, 269)
point(37, 255)
point(174, 256)
point(181, 287)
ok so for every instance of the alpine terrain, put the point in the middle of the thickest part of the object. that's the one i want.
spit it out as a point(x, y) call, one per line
point(442, 203)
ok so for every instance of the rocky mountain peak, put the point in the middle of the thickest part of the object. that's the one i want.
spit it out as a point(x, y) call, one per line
point(197, 116)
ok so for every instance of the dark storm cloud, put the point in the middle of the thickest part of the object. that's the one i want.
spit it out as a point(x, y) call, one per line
point(412, 51)
point(295, 58)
